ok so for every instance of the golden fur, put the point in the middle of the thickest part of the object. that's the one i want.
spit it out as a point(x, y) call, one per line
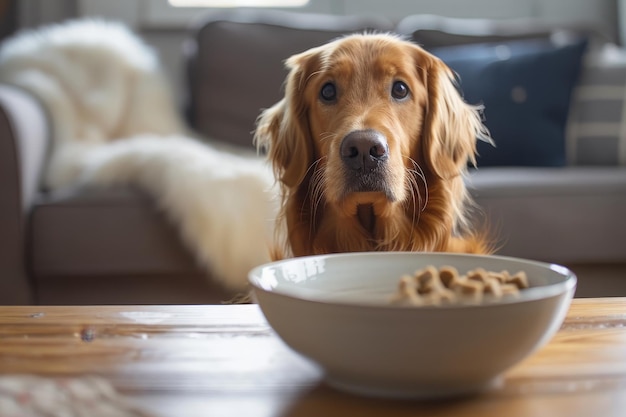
point(413, 200)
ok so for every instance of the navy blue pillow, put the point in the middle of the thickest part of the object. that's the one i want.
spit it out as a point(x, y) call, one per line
point(525, 87)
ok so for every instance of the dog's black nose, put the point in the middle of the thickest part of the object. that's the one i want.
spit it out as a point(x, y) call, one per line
point(364, 149)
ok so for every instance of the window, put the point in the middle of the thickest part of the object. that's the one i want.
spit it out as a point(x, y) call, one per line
point(179, 13)
point(238, 3)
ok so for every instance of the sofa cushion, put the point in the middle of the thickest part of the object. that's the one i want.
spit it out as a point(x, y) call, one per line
point(565, 215)
point(115, 231)
point(526, 88)
point(248, 49)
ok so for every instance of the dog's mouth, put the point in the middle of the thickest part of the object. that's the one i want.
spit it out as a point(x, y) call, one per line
point(368, 184)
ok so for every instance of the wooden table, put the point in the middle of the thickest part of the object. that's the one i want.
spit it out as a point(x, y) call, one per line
point(226, 361)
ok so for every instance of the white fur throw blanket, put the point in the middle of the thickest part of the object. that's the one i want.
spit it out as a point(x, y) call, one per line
point(114, 123)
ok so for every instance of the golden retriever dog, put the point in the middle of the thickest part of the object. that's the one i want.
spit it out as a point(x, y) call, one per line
point(370, 146)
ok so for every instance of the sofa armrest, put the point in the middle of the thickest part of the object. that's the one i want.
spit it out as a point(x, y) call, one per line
point(23, 145)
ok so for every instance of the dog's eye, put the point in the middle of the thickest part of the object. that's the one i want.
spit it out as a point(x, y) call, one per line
point(399, 90)
point(328, 93)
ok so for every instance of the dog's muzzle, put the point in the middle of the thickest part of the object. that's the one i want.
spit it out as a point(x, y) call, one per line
point(364, 154)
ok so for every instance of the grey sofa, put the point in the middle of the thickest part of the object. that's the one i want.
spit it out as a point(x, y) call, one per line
point(84, 246)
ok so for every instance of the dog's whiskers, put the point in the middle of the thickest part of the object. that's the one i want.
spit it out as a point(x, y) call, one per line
point(415, 213)
point(324, 136)
point(416, 174)
point(312, 166)
point(317, 195)
point(315, 191)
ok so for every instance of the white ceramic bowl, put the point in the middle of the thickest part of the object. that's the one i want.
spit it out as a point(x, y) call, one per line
point(334, 309)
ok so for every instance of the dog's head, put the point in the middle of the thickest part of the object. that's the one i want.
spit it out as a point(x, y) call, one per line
point(367, 120)
point(367, 108)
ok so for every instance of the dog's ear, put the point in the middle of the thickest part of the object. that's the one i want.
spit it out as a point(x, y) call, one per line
point(283, 130)
point(451, 126)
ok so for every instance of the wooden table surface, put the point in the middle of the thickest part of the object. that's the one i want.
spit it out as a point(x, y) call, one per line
point(187, 361)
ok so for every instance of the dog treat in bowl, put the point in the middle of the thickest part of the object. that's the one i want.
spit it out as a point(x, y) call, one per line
point(432, 286)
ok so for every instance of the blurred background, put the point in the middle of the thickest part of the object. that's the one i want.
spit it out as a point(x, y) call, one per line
point(164, 23)
point(551, 74)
